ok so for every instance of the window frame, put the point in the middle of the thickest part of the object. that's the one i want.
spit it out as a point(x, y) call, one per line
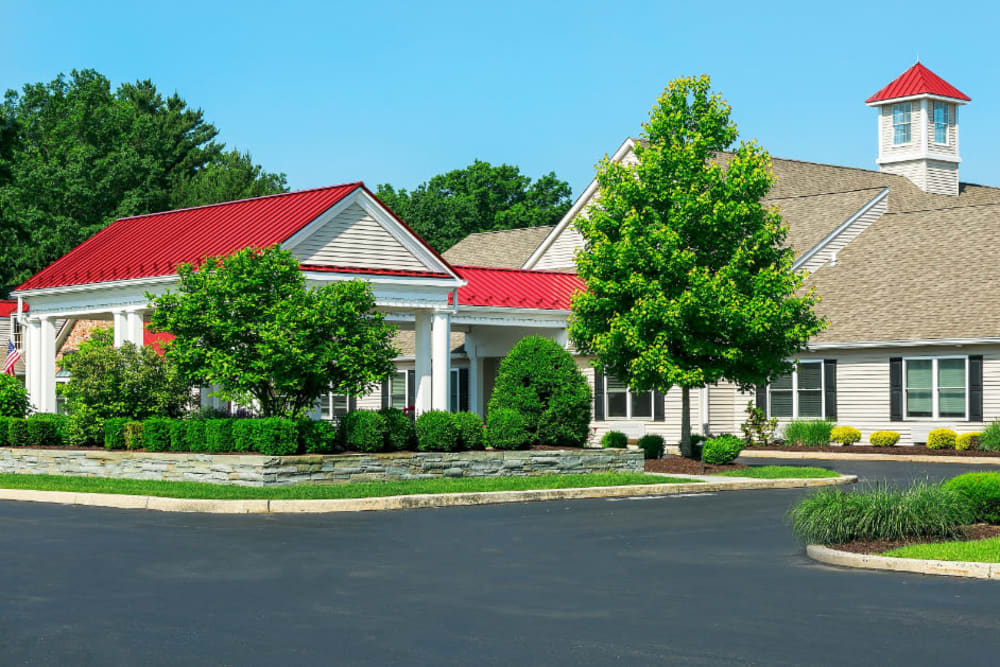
point(898, 125)
point(935, 388)
point(394, 376)
point(795, 391)
point(628, 404)
point(330, 401)
point(945, 124)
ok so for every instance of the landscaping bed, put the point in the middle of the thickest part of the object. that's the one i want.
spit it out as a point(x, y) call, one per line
point(904, 450)
point(979, 531)
point(680, 465)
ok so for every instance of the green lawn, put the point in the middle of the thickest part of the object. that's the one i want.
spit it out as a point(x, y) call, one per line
point(780, 472)
point(977, 551)
point(309, 491)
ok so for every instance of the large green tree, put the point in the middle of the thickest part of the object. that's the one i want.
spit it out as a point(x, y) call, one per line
point(478, 198)
point(689, 280)
point(75, 155)
point(249, 324)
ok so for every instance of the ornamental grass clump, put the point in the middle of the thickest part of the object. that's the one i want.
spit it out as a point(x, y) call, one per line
point(808, 432)
point(845, 435)
point(941, 438)
point(721, 450)
point(990, 440)
point(880, 512)
point(982, 489)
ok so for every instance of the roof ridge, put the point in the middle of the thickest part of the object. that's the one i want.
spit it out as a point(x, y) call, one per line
point(237, 201)
point(509, 270)
point(943, 208)
point(823, 194)
point(512, 229)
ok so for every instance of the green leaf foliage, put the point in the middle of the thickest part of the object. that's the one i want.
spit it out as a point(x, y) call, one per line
point(540, 379)
point(652, 446)
point(249, 324)
point(982, 489)
point(400, 432)
point(721, 450)
point(47, 430)
point(315, 437)
point(133, 435)
point(478, 198)
point(506, 429)
point(13, 397)
point(219, 435)
point(364, 431)
point(156, 434)
point(689, 280)
point(114, 433)
point(614, 440)
point(436, 432)
point(470, 429)
point(17, 432)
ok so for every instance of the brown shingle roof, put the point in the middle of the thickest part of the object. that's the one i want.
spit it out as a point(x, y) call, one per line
point(506, 249)
point(405, 342)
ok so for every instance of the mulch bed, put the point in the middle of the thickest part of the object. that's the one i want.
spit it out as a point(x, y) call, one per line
point(903, 450)
point(679, 464)
point(979, 531)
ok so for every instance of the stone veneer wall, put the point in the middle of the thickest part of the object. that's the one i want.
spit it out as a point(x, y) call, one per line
point(256, 470)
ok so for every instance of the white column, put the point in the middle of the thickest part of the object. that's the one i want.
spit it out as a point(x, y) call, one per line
point(422, 358)
point(440, 359)
point(47, 365)
point(120, 325)
point(134, 327)
point(475, 375)
point(32, 357)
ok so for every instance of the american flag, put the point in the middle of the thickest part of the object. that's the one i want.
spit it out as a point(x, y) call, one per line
point(13, 355)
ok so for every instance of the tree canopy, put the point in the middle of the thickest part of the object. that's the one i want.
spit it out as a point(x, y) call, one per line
point(478, 198)
point(249, 324)
point(689, 280)
point(75, 155)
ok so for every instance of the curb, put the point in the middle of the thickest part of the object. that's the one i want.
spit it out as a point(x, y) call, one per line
point(849, 456)
point(408, 502)
point(946, 568)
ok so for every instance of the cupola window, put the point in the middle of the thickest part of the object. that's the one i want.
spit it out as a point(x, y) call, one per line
point(901, 123)
point(942, 118)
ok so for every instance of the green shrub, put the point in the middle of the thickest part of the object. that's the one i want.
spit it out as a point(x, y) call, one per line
point(470, 429)
point(721, 450)
point(399, 433)
point(277, 436)
point(884, 438)
point(47, 430)
point(653, 445)
point(436, 432)
point(540, 379)
point(941, 438)
point(808, 432)
point(13, 396)
point(245, 434)
point(506, 429)
point(178, 435)
point(218, 435)
point(85, 428)
point(758, 430)
point(990, 440)
point(5, 431)
point(982, 489)
point(364, 431)
point(316, 436)
point(880, 512)
point(114, 432)
point(133, 435)
point(614, 440)
point(156, 434)
point(968, 441)
point(194, 436)
point(17, 432)
point(845, 435)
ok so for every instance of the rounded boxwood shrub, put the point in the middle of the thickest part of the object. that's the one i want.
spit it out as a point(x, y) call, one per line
point(437, 433)
point(652, 446)
point(114, 432)
point(506, 429)
point(364, 431)
point(47, 430)
point(884, 438)
point(614, 440)
point(400, 433)
point(721, 450)
point(13, 396)
point(470, 429)
point(968, 441)
point(277, 436)
point(982, 489)
point(941, 438)
point(219, 435)
point(540, 379)
point(845, 435)
point(156, 434)
point(133, 435)
point(17, 432)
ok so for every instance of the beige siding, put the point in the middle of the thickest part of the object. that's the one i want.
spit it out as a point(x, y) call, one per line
point(837, 244)
point(355, 239)
point(886, 133)
point(951, 147)
point(560, 255)
point(942, 178)
point(724, 403)
point(915, 170)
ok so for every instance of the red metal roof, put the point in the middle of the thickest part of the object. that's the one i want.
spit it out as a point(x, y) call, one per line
point(918, 80)
point(157, 340)
point(9, 307)
point(155, 244)
point(517, 288)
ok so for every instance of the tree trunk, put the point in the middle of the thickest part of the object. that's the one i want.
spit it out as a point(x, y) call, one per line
point(687, 451)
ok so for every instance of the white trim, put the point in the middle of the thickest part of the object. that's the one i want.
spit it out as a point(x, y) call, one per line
point(628, 404)
point(935, 389)
point(840, 229)
point(916, 342)
point(910, 98)
point(87, 287)
point(795, 391)
point(582, 200)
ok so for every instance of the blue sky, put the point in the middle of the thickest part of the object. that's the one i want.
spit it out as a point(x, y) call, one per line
point(397, 92)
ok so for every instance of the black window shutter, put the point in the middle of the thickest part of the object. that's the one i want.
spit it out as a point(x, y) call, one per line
point(385, 392)
point(463, 389)
point(975, 388)
point(830, 388)
point(658, 407)
point(761, 396)
point(896, 389)
point(352, 403)
point(598, 395)
point(411, 388)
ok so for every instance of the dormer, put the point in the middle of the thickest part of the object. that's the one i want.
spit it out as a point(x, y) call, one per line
point(918, 129)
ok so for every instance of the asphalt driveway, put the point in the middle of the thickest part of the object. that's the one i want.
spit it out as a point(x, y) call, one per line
point(711, 579)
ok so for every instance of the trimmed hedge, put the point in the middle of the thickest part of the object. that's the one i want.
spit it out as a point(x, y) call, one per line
point(315, 437)
point(884, 438)
point(85, 428)
point(133, 435)
point(364, 431)
point(156, 434)
point(941, 438)
point(968, 441)
point(218, 435)
point(845, 435)
point(194, 435)
point(17, 432)
point(506, 429)
point(244, 435)
point(470, 429)
point(614, 440)
point(722, 450)
point(5, 431)
point(276, 436)
point(436, 432)
point(114, 432)
point(982, 489)
point(400, 433)
point(652, 446)
point(47, 430)
point(178, 435)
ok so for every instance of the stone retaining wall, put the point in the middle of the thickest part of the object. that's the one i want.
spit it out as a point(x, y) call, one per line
point(256, 470)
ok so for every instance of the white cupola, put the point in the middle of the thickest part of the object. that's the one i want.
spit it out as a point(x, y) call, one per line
point(918, 129)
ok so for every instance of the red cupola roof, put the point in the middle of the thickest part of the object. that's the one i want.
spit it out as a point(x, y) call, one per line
point(918, 80)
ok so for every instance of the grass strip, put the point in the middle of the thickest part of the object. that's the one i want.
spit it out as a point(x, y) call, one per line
point(781, 472)
point(974, 551)
point(310, 491)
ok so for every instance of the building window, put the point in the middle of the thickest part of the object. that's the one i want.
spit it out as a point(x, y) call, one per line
point(942, 118)
point(798, 395)
point(624, 404)
point(458, 390)
point(332, 406)
point(15, 329)
point(399, 392)
point(901, 123)
point(936, 387)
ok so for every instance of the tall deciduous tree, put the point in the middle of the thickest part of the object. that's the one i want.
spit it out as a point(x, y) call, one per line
point(689, 280)
point(249, 324)
point(478, 198)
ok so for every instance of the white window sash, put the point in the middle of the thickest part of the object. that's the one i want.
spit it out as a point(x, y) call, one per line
point(795, 392)
point(628, 404)
point(935, 389)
